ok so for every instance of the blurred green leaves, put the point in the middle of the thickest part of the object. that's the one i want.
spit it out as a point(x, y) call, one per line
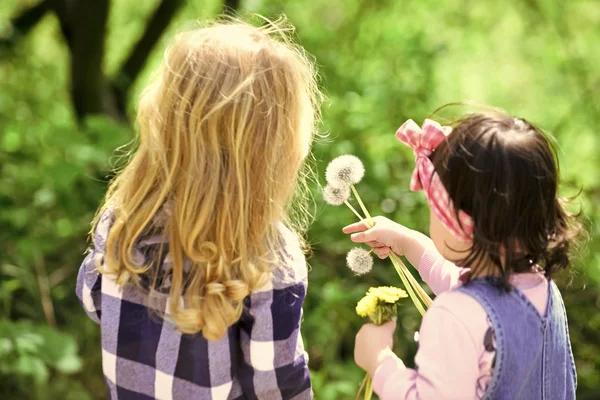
point(33, 353)
point(381, 63)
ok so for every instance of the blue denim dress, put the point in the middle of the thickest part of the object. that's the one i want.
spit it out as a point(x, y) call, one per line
point(534, 359)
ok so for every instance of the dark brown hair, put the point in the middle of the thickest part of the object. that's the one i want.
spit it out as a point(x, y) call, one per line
point(503, 172)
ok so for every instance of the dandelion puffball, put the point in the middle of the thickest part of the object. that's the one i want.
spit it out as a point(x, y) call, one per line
point(359, 261)
point(336, 196)
point(345, 170)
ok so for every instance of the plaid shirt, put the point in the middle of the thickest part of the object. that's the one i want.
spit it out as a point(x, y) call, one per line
point(144, 357)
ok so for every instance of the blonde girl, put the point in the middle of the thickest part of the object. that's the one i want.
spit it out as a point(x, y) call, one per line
point(197, 275)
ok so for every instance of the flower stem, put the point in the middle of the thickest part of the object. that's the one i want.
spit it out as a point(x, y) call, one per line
point(362, 205)
point(362, 387)
point(368, 388)
point(407, 284)
point(422, 293)
point(360, 217)
point(407, 279)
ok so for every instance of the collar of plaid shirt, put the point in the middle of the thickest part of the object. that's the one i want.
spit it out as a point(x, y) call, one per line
point(423, 140)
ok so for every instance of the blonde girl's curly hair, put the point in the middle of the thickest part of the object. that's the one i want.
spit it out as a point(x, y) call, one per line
point(224, 131)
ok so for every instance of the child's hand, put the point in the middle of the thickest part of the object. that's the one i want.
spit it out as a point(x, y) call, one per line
point(384, 237)
point(373, 344)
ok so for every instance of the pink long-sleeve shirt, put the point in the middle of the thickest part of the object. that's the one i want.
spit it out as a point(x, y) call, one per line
point(452, 361)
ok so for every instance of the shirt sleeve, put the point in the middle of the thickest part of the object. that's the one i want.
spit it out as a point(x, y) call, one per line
point(89, 287)
point(89, 279)
point(275, 365)
point(440, 274)
point(447, 363)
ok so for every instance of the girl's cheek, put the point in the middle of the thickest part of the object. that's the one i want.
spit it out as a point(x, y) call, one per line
point(446, 244)
point(436, 233)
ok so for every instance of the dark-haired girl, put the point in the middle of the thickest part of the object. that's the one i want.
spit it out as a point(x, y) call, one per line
point(499, 233)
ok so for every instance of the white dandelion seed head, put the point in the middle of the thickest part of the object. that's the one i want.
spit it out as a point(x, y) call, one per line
point(336, 196)
point(359, 261)
point(345, 170)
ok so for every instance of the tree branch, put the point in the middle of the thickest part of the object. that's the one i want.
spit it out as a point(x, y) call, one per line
point(25, 21)
point(44, 289)
point(137, 59)
point(64, 20)
point(87, 20)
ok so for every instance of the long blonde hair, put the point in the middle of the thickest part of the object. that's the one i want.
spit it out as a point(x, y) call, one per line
point(224, 131)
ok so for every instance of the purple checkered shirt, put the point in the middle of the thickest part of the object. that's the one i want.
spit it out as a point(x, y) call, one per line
point(144, 356)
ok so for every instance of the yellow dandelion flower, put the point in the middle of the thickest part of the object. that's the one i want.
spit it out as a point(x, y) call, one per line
point(379, 304)
point(366, 306)
point(387, 294)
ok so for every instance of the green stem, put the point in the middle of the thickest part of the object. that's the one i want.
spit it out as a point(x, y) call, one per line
point(354, 210)
point(368, 388)
point(408, 281)
point(422, 293)
point(362, 205)
point(407, 284)
point(427, 301)
point(362, 387)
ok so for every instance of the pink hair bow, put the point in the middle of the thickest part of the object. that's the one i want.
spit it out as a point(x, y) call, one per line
point(423, 140)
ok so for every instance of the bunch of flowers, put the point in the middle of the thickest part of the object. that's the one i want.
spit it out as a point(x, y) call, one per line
point(380, 306)
point(342, 174)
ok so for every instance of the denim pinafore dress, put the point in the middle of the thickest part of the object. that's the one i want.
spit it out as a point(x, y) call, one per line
point(534, 359)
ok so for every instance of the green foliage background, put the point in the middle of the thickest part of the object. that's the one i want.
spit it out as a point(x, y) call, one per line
point(381, 62)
